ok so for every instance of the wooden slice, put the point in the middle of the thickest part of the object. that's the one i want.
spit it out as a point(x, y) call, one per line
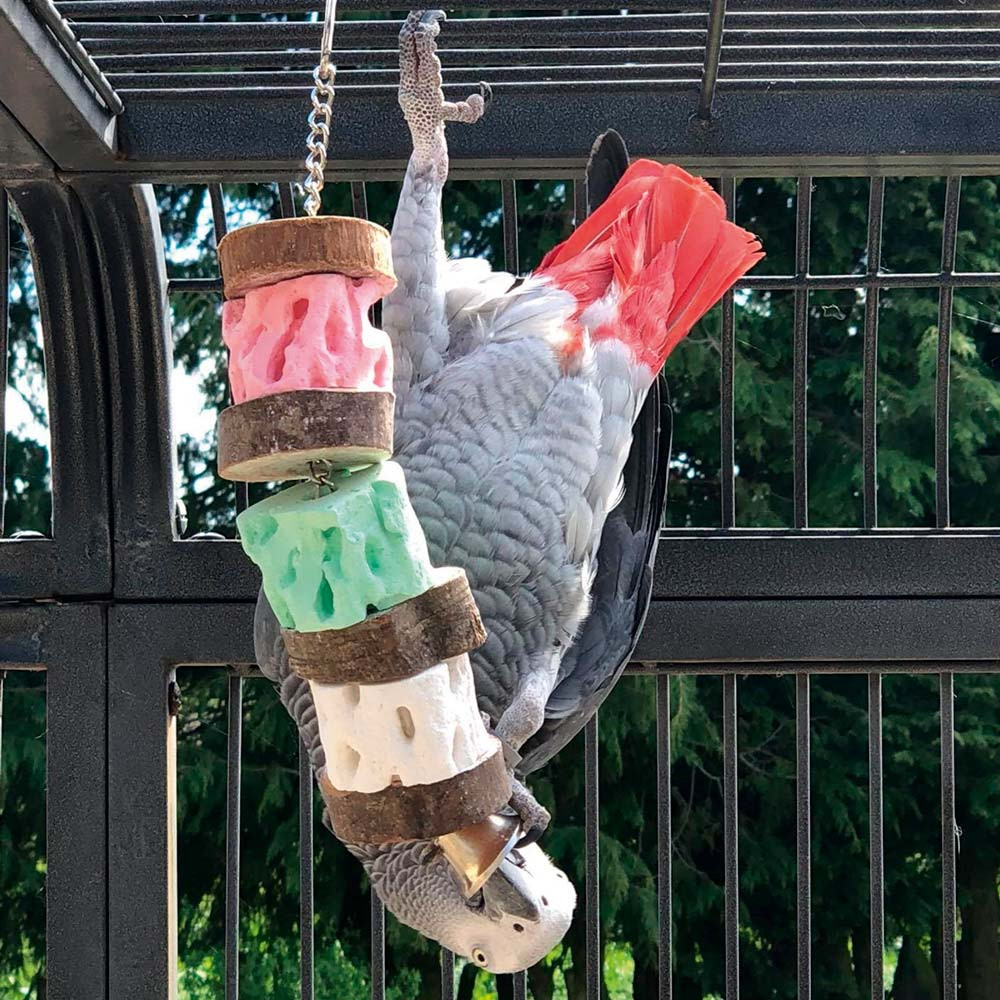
point(269, 252)
point(272, 438)
point(394, 644)
point(418, 812)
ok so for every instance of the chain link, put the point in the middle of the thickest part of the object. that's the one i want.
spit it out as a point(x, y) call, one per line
point(321, 115)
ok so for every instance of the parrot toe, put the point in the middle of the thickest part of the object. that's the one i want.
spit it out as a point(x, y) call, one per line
point(534, 817)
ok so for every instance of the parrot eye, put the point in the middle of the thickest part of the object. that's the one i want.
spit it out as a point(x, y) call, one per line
point(479, 957)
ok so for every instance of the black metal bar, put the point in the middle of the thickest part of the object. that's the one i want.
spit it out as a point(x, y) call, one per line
point(832, 629)
point(869, 412)
point(286, 201)
point(306, 906)
point(803, 835)
point(55, 21)
point(942, 381)
point(782, 668)
point(218, 205)
point(713, 53)
point(208, 134)
point(592, 832)
point(511, 256)
point(359, 199)
point(520, 983)
point(69, 283)
point(636, 29)
point(730, 794)
point(726, 394)
point(4, 334)
point(810, 59)
point(800, 359)
point(44, 90)
point(764, 23)
point(447, 974)
point(949, 875)
point(743, 60)
point(234, 752)
point(78, 879)
point(377, 947)
point(769, 283)
point(664, 840)
point(198, 286)
point(875, 837)
point(77, 9)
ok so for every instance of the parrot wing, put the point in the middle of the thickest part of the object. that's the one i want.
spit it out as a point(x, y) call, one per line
point(621, 591)
point(623, 585)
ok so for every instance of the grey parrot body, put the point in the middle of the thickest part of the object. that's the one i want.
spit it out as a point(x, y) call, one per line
point(528, 424)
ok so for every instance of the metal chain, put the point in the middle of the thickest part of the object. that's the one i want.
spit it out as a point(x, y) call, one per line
point(321, 115)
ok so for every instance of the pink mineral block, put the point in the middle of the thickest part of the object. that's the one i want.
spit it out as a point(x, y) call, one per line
point(306, 333)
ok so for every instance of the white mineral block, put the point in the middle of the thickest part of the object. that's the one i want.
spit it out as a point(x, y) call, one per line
point(413, 732)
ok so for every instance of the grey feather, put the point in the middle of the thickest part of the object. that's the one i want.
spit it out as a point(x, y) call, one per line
point(621, 592)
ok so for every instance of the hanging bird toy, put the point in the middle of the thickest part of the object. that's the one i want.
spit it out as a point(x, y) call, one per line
point(381, 636)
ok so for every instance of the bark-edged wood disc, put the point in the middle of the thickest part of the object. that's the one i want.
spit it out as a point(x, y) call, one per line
point(269, 252)
point(275, 437)
point(418, 812)
point(394, 644)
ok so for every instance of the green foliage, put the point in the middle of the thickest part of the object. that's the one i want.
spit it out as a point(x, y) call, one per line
point(908, 320)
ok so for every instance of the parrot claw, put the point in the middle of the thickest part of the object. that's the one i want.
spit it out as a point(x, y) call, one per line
point(534, 817)
point(420, 89)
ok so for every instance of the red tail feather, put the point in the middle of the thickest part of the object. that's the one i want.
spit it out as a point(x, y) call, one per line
point(661, 246)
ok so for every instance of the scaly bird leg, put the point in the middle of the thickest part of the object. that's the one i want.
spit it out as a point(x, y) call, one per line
point(413, 314)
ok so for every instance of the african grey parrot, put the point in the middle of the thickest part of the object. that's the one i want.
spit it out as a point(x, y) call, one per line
point(528, 423)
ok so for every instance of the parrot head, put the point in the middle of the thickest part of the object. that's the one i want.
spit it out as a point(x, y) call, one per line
point(521, 913)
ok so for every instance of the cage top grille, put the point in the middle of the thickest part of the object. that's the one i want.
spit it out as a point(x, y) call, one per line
point(219, 87)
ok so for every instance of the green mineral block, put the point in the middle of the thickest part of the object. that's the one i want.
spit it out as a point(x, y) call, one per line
point(328, 555)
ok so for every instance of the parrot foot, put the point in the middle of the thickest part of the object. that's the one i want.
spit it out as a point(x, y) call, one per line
point(420, 93)
point(535, 818)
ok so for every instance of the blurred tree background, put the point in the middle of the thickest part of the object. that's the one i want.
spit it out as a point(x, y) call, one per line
point(269, 885)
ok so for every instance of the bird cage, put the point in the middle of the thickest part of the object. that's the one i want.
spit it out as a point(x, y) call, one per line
point(102, 99)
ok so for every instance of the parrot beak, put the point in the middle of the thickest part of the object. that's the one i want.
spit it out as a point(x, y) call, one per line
point(511, 890)
point(475, 852)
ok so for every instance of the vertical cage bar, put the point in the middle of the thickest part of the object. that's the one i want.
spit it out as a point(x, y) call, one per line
point(713, 54)
point(359, 199)
point(520, 981)
point(664, 839)
point(306, 935)
point(234, 753)
point(511, 253)
point(727, 387)
point(803, 835)
point(949, 876)
point(447, 974)
point(942, 385)
point(875, 838)
point(800, 353)
point(378, 947)
point(869, 417)
point(731, 836)
point(4, 318)
point(286, 201)
point(593, 859)
point(218, 206)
